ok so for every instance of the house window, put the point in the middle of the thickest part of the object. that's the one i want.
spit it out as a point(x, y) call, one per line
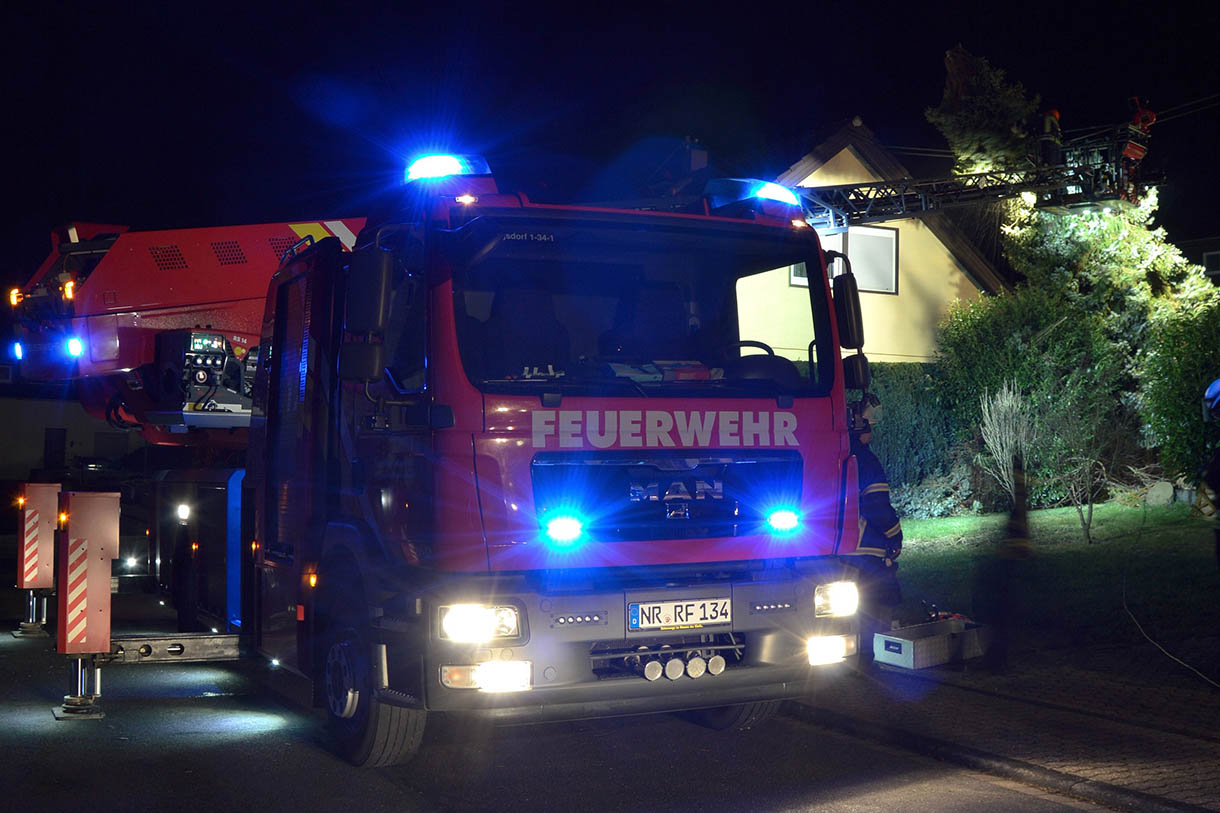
point(1211, 263)
point(873, 252)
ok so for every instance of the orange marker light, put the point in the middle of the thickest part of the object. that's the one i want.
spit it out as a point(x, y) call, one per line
point(21, 502)
point(194, 547)
point(466, 199)
point(254, 546)
point(800, 224)
point(69, 289)
point(14, 296)
point(63, 518)
point(313, 579)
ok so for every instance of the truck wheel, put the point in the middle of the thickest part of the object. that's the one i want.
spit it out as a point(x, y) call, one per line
point(366, 731)
point(735, 718)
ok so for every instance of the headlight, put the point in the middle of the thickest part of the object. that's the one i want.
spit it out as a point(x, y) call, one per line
point(477, 624)
point(836, 598)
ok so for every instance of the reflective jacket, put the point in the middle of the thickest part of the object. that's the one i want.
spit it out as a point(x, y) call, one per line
point(880, 529)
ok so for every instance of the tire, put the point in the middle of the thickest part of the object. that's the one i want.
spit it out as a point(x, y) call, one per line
point(735, 718)
point(366, 731)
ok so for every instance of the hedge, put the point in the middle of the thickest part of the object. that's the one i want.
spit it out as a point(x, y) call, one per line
point(1182, 358)
point(912, 437)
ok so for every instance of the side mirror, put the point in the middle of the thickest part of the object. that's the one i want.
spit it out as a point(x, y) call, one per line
point(361, 361)
point(370, 278)
point(847, 306)
point(855, 372)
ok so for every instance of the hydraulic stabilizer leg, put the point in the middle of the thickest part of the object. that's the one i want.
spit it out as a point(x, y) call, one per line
point(35, 617)
point(82, 704)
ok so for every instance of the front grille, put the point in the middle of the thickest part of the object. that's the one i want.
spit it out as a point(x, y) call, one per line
point(666, 495)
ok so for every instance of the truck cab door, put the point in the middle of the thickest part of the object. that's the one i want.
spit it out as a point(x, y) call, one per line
point(301, 385)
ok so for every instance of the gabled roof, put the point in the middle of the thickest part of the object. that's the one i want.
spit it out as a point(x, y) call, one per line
point(880, 162)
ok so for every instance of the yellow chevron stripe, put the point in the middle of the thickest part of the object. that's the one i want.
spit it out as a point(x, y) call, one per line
point(315, 230)
point(876, 488)
point(893, 532)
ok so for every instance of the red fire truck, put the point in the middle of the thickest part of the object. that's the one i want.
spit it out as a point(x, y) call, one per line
point(535, 462)
point(518, 460)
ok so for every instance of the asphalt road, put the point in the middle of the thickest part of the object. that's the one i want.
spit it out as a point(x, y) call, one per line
point(234, 737)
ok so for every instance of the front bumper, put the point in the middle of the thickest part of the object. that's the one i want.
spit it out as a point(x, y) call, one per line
point(572, 676)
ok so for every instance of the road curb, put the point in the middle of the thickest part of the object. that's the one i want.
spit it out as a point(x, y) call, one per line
point(1099, 792)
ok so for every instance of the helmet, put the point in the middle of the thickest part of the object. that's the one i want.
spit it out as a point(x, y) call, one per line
point(1053, 113)
point(1211, 401)
point(866, 413)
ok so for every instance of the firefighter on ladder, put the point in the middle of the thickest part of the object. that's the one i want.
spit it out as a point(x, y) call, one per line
point(880, 534)
point(1051, 141)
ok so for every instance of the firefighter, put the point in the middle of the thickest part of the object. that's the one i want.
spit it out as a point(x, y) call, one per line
point(1207, 500)
point(1051, 139)
point(880, 534)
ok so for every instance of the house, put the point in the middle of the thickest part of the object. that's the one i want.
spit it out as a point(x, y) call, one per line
point(908, 270)
point(1204, 251)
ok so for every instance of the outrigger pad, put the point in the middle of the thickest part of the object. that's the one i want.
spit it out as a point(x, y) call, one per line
point(84, 709)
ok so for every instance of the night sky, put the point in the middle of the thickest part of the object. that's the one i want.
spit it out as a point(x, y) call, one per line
point(175, 114)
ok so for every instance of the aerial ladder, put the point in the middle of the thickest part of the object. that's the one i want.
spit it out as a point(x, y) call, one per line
point(158, 328)
point(1098, 172)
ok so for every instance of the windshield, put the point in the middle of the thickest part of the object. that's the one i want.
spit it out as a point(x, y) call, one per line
point(673, 322)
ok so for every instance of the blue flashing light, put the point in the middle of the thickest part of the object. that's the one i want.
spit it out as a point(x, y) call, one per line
point(17, 351)
point(75, 347)
point(565, 531)
point(773, 191)
point(784, 520)
point(443, 166)
point(434, 166)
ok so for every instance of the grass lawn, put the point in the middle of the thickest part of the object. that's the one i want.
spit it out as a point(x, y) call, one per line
point(1070, 592)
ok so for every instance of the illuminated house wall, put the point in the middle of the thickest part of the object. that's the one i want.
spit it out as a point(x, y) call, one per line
point(903, 300)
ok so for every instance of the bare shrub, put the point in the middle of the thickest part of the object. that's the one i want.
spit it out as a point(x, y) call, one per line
point(1008, 432)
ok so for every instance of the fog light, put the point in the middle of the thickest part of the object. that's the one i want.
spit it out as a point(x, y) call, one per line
point(836, 598)
point(184, 512)
point(824, 649)
point(502, 676)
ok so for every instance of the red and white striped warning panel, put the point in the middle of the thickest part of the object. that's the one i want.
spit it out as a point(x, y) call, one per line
point(78, 597)
point(89, 542)
point(39, 503)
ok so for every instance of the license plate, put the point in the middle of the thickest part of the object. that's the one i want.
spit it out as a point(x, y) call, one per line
point(687, 614)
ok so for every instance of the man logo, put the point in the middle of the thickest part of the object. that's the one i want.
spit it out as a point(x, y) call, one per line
point(676, 491)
